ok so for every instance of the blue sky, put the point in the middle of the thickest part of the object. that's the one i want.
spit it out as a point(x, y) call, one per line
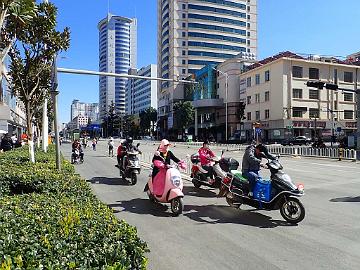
point(324, 27)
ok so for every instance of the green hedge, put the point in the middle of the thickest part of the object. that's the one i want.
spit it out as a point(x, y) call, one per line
point(51, 220)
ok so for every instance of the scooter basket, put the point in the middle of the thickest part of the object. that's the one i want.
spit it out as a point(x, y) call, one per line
point(262, 190)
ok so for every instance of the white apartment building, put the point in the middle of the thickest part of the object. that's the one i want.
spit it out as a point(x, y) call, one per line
point(89, 110)
point(141, 94)
point(196, 33)
point(117, 54)
point(277, 97)
point(78, 122)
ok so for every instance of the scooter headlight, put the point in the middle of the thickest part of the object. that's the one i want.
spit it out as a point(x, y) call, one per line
point(176, 180)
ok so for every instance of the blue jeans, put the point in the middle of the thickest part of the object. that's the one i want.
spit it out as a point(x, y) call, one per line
point(251, 176)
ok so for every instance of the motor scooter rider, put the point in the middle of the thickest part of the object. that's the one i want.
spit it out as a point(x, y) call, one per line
point(77, 145)
point(206, 156)
point(251, 163)
point(125, 146)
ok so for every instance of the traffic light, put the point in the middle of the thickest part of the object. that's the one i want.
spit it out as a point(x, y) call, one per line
point(315, 84)
point(331, 86)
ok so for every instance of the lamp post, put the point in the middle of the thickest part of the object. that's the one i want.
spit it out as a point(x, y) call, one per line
point(226, 101)
point(54, 93)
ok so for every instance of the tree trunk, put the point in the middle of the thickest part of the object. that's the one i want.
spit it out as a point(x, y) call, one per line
point(30, 132)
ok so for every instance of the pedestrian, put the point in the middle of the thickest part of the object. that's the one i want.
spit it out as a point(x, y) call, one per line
point(111, 146)
point(94, 142)
point(6, 143)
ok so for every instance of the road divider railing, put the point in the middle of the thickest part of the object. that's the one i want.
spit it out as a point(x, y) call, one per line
point(277, 149)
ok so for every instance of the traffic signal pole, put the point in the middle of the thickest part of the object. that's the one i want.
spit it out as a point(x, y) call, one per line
point(330, 86)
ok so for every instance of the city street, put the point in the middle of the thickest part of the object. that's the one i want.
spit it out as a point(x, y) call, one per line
point(212, 235)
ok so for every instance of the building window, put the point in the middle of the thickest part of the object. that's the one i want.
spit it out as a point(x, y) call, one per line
point(267, 75)
point(183, 34)
point(184, 16)
point(348, 77)
point(248, 82)
point(297, 72)
point(248, 42)
point(257, 114)
point(183, 6)
point(314, 73)
point(183, 53)
point(313, 94)
point(257, 79)
point(348, 114)
point(248, 34)
point(184, 43)
point(313, 113)
point(184, 25)
point(257, 98)
point(248, 116)
point(248, 100)
point(267, 114)
point(348, 97)
point(183, 71)
point(297, 113)
point(297, 93)
point(335, 76)
point(183, 62)
point(267, 96)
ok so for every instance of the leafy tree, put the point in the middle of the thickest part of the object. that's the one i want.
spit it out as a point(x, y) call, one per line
point(14, 15)
point(31, 66)
point(148, 118)
point(184, 114)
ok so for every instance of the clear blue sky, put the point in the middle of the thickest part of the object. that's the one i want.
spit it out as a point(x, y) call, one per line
point(324, 27)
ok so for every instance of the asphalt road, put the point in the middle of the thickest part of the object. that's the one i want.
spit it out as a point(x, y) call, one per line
point(212, 235)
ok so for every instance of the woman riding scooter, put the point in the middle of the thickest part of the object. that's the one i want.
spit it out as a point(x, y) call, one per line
point(206, 156)
point(165, 184)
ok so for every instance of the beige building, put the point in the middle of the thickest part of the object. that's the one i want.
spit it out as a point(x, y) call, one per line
point(196, 33)
point(277, 97)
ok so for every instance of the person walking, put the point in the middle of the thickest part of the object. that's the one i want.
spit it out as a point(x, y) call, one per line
point(6, 143)
point(111, 146)
point(94, 142)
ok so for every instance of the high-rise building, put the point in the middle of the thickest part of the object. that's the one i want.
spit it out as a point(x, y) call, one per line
point(88, 110)
point(142, 94)
point(195, 33)
point(117, 53)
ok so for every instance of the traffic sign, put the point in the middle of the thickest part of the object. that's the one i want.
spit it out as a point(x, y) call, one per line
point(258, 130)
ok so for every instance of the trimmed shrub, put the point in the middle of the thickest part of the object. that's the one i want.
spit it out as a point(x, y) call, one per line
point(51, 220)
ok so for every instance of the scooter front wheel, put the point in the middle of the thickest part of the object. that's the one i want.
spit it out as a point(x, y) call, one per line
point(292, 210)
point(177, 206)
point(134, 179)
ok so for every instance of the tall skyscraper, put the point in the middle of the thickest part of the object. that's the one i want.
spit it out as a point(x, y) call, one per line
point(195, 33)
point(117, 53)
point(141, 94)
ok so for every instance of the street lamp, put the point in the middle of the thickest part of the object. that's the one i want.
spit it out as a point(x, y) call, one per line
point(226, 101)
point(54, 93)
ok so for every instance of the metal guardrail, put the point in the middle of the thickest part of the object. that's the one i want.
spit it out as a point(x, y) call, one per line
point(306, 151)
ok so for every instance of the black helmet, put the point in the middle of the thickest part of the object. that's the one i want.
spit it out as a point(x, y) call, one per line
point(129, 140)
point(206, 142)
point(262, 148)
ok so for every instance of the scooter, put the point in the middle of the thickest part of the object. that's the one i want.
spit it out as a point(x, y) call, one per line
point(172, 193)
point(279, 192)
point(75, 157)
point(131, 165)
point(221, 167)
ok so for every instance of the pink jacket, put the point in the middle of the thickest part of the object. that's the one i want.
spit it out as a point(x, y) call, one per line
point(204, 154)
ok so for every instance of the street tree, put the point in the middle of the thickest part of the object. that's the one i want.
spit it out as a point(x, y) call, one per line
point(32, 57)
point(14, 15)
point(148, 118)
point(184, 114)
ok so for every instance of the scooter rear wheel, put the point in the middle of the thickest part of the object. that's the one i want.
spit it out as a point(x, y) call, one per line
point(292, 210)
point(177, 206)
point(134, 179)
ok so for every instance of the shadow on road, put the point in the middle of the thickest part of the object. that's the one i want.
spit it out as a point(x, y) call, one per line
point(142, 207)
point(108, 181)
point(214, 214)
point(346, 199)
point(199, 192)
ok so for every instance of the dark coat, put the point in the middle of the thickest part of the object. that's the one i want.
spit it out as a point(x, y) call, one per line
point(170, 156)
point(6, 143)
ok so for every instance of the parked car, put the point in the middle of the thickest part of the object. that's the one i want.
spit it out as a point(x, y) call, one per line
point(299, 140)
